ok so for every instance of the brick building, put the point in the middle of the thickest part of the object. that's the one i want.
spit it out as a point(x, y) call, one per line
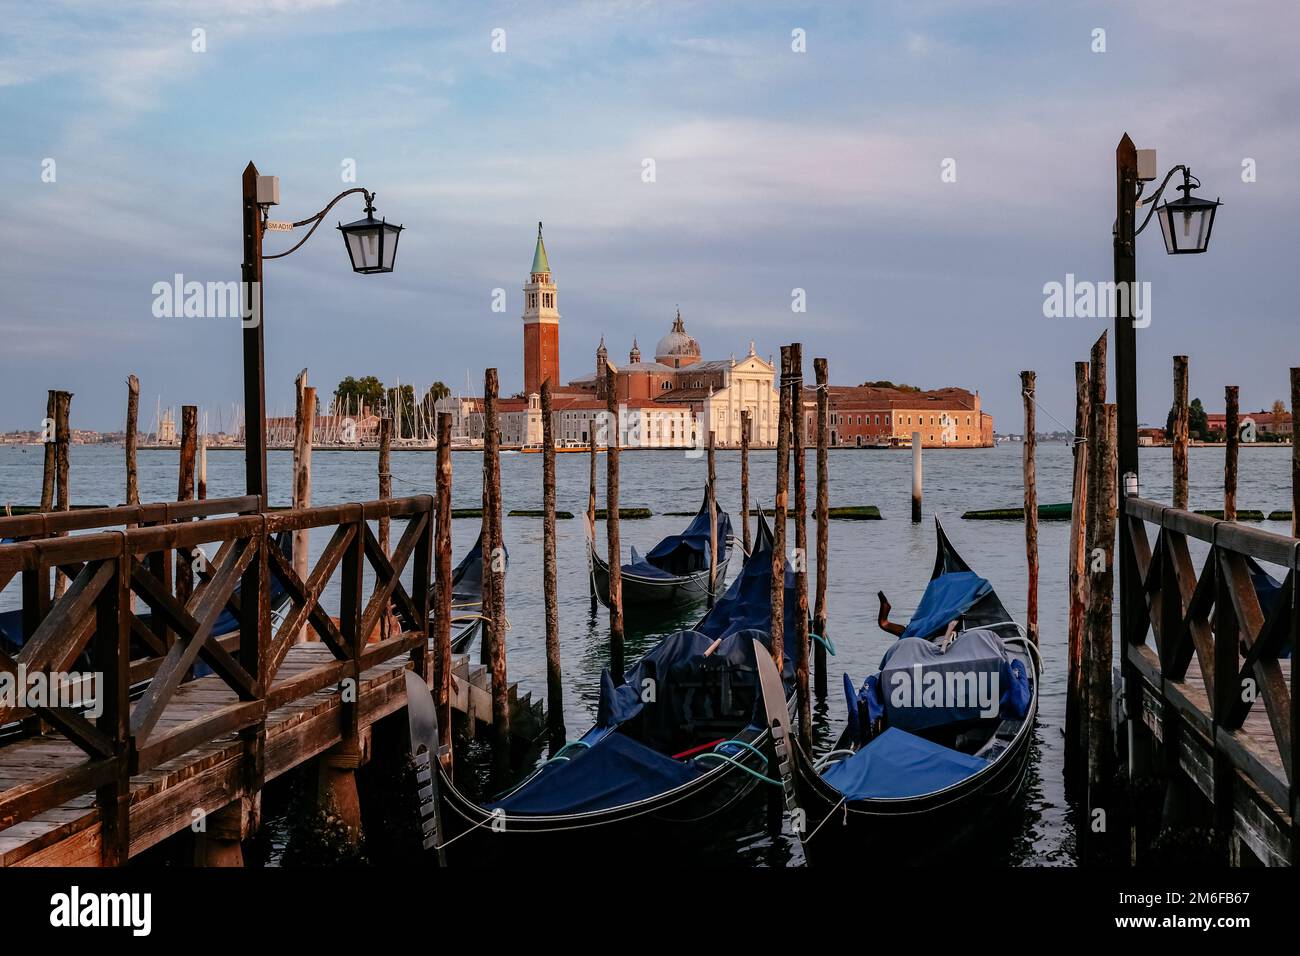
point(866, 416)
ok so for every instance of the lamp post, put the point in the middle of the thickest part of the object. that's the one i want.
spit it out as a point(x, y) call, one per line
point(1186, 224)
point(372, 247)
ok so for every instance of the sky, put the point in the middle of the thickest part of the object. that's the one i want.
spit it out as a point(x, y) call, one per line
point(827, 169)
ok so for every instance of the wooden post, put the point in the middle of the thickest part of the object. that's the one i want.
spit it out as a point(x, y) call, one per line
point(823, 524)
point(203, 466)
point(1179, 436)
point(713, 520)
point(744, 478)
point(1295, 457)
point(1078, 576)
point(591, 510)
point(132, 438)
point(550, 585)
point(613, 549)
point(1232, 426)
point(185, 492)
point(62, 440)
point(1099, 643)
point(1028, 383)
point(779, 511)
point(304, 420)
point(385, 492)
point(916, 477)
point(1096, 511)
point(800, 545)
point(493, 557)
point(442, 575)
point(51, 450)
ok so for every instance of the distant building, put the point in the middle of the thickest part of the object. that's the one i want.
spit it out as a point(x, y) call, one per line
point(867, 416)
point(1265, 422)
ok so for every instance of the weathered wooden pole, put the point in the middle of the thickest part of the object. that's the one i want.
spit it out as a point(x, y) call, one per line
point(50, 430)
point(62, 441)
point(591, 513)
point(494, 559)
point(916, 477)
point(203, 466)
point(1179, 437)
point(713, 519)
point(185, 492)
point(1232, 428)
point(744, 478)
point(304, 420)
point(800, 545)
point(1078, 577)
point(1099, 642)
point(1295, 458)
point(442, 577)
point(823, 523)
point(132, 438)
point(385, 492)
point(1095, 509)
point(779, 512)
point(550, 585)
point(1028, 383)
point(613, 548)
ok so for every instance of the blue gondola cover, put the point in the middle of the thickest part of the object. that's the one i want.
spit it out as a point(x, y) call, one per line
point(898, 764)
point(615, 772)
point(946, 598)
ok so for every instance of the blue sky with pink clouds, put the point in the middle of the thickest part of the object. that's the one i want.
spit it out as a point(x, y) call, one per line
point(775, 170)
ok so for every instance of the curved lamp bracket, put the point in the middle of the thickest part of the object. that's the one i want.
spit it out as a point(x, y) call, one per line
point(317, 219)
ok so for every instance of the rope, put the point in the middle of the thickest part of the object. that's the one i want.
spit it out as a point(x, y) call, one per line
point(824, 642)
point(736, 762)
point(827, 817)
point(1074, 439)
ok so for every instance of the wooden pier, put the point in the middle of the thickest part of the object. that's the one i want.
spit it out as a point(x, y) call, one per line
point(1212, 694)
point(169, 750)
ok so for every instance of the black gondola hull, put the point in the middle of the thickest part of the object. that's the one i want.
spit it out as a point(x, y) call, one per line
point(646, 593)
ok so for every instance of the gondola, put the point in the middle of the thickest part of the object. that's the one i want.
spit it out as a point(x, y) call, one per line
point(679, 742)
point(467, 597)
point(675, 573)
point(913, 775)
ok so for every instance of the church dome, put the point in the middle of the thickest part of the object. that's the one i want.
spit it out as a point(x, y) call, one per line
point(677, 348)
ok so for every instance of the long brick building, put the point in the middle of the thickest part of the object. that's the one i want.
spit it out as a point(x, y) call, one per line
point(867, 416)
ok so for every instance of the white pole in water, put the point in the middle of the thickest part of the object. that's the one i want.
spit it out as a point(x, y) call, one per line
point(916, 477)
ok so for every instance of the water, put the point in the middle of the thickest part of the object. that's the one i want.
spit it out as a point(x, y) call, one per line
point(892, 555)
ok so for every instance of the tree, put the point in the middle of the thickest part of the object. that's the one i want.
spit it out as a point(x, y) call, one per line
point(367, 392)
point(1197, 424)
point(1279, 409)
point(886, 383)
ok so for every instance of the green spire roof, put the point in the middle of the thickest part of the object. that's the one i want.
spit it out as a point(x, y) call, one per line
point(540, 263)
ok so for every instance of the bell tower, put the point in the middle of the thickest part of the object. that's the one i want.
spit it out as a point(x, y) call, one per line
point(541, 324)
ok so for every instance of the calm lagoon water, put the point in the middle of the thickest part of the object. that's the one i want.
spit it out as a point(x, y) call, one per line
point(892, 555)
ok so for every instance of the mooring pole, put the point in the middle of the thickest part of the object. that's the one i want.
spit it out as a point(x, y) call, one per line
point(62, 441)
point(800, 545)
point(385, 492)
point(1099, 642)
point(550, 586)
point(916, 477)
point(713, 519)
point(823, 524)
point(1179, 437)
point(591, 514)
point(613, 548)
point(51, 450)
point(779, 514)
point(1078, 575)
point(303, 429)
point(185, 492)
point(1097, 578)
point(1232, 429)
point(132, 439)
point(442, 577)
point(203, 466)
point(1028, 383)
point(744, 478)
point(1295, 482)
point(493, 558)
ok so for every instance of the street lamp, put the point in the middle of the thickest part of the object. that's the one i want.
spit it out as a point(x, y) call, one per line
point(1186, 222)
point(372, 247)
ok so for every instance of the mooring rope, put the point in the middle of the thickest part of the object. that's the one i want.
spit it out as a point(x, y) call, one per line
point(1074, 439)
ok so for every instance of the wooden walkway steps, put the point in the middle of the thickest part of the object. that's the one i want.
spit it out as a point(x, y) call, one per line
point(165, 798)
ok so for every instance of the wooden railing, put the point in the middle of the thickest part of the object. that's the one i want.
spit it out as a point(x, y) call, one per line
point(1214, 617)
point(139, 662)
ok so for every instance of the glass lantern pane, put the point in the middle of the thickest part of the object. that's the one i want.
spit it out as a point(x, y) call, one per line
point(391, 234)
